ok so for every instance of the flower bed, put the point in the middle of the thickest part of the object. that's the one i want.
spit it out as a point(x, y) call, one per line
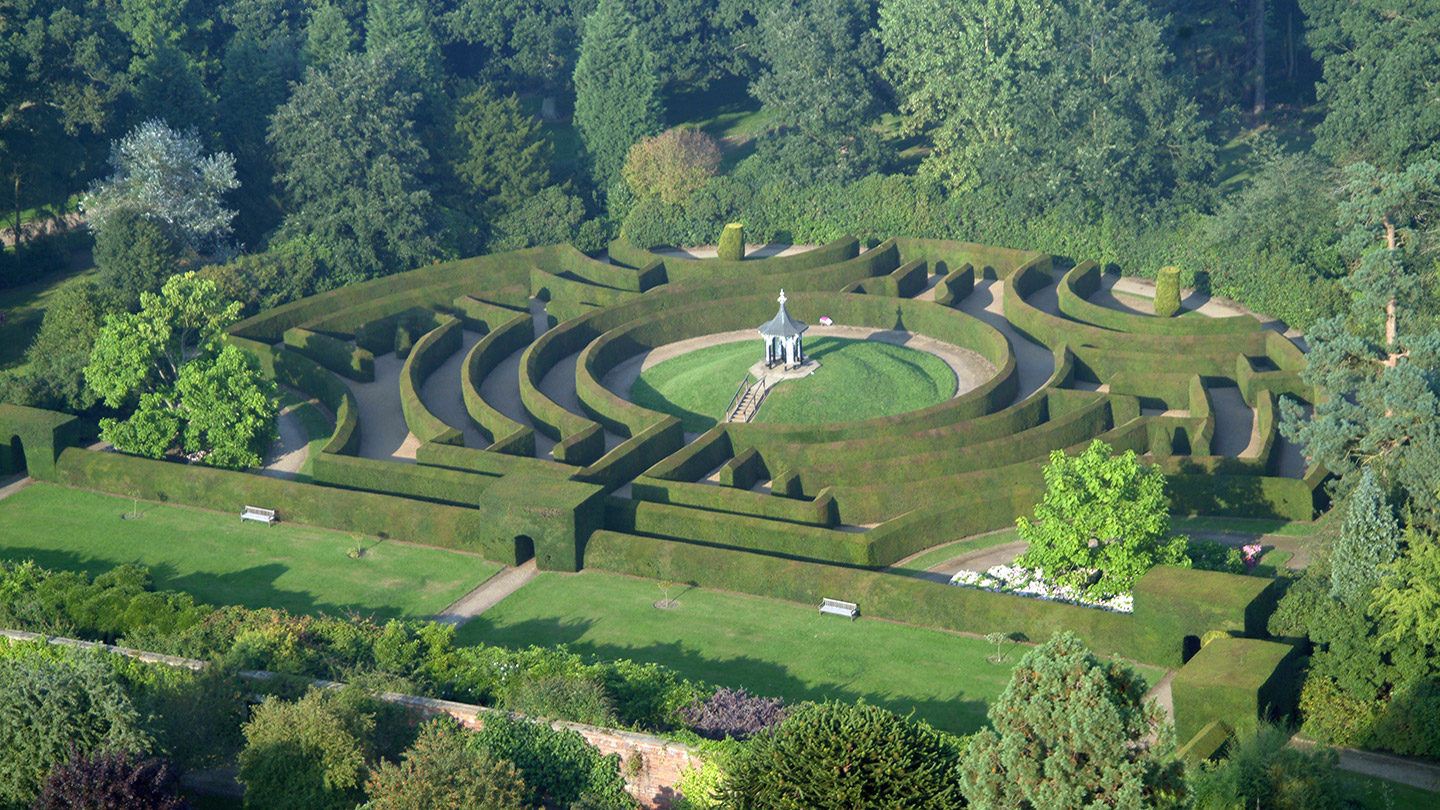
point(1031, 582)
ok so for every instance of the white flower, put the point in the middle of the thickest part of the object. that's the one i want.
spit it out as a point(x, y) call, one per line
point(1031, 582)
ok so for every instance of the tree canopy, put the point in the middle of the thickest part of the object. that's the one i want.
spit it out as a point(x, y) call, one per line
point(617, 98)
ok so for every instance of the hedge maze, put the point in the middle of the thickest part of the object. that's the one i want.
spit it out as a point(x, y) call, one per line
point(577, 475)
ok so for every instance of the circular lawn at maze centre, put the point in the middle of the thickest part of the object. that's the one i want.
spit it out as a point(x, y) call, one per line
point(857, 379)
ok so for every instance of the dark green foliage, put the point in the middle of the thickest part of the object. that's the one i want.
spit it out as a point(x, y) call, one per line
point(548, 217)
point(819, 87)
point(335, 355)
point(262, 281)
point(732, 243)
point(134, 254)
point(407, 30)
point(61, 350)
point(309, 754)
point(1368, 543)
point(1262, 769)
point(504, 158)
point(442, 771)
point(1167, 292)
point(1073, 731)
point(51, 705)
point(616, 90)
point(575, 698)
point(114, 604)
point(1381, 63)
point(328, 36)
point(110, 780)
point(1208, 555)
point(350, 165)
point(835, 756)
point(558, 766)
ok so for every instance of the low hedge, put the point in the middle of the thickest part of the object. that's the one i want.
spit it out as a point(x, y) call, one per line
point(430, 353)
point(677, 269)
point(505, 434)
point(42, 434)
point(820, 511)
point(743, 471)
point(1235, 681)
point(385, 516)
point(988, 261)
point(636, 454)
point(434, 484)
point(1083, 281)
point(696, 459)
point(570, 261)
point(303, 374)
point(1143, 636)
point(770, 537)
point(482, 316)
point(956, 286)
point(332, 353)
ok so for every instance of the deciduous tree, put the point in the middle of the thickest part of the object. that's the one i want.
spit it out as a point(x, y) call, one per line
point(186, 386)
point(110, 779)
point(671, 165)
point(1103, 522)
point(308, 754)
point(1073, 731)
point(444, 771)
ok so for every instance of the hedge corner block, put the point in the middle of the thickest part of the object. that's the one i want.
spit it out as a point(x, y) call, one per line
point(732, 243)
point(550, 518)
point(1167, 292)
point(31, 439)
point(1235, 681)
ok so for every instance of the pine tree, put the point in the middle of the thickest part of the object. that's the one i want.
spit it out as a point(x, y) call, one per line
point(405, 27)
point(616, 91)
point(1367, 543)
point(328, 36)
point(1072, 731)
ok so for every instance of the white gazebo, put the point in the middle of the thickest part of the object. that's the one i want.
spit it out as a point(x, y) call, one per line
point(783, 344)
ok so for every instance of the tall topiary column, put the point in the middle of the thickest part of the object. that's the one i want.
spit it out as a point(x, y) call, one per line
point(732, 242)
point(1167, 292)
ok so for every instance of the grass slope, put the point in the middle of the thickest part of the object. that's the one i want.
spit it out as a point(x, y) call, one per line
point(24, 309)
point(767, 646)
point(223, 561)
point(857, 379)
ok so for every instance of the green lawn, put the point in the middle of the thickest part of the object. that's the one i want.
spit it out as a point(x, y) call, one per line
point(221, 560)
point(24, 308)
point(767, 646)
point(857, 379)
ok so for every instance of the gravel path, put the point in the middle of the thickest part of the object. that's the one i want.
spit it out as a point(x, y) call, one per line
point(488, 595)
point(501, 389)
point(288, 452)
point(559, 385)
point(13, 484)
point(769, 251)
point(441, 393)
point(1034, 362)
point(383, 434)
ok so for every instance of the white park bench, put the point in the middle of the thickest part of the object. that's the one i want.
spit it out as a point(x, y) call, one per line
point(840, 608)
point(266, 516)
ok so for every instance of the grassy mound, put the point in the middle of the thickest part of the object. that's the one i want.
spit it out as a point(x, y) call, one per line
point(857, 379)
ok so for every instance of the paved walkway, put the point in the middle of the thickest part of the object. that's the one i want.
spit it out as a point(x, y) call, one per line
point(13, 484)
point(770, 251)
point(1034, 363)
point(441, 393)
point(1161, 692)
point(1418, 773)
point(501, 389)
point(488, 595)
point(383, 434)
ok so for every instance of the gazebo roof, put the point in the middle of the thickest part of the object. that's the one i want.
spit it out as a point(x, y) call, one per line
point(782, 325)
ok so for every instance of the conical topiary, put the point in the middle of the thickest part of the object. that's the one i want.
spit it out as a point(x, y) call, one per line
point(732, 242)
point(1167, 292)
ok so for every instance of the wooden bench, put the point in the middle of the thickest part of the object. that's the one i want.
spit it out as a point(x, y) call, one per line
point(266, 516)
point(840, 608)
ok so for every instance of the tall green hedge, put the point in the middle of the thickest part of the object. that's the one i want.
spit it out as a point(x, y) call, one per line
point(1235, 681)
point(1083, 281)
point(956, 286)
point(732, 243)
point(304, 374)
point(430, 353)
point(434, 484)
point(332, 353)
point(506, 435)
point(42, 435)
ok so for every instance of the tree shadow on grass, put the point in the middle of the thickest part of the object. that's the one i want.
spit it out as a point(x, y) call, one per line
point(959, 716)
point(252, 587)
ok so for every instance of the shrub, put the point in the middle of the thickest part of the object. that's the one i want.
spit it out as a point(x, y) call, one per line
point(559, 767)
point(671, 165)
point(733, 713)
point(1208, 555)
point(839, 756)
point(732, 243)
point(441, 771)
point(307, 754)
point(563, 697)
point(109, 779)
point(1167, 292)
point(52, 704)
point(1260, 770)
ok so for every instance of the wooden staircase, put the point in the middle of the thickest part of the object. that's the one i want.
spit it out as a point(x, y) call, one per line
point(746, 403)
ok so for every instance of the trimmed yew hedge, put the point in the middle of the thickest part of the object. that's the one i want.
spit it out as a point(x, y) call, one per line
point(696, 459)
point(988, 261)
point(385, 516)
point(677, 269)
point(506, 435)
point(430, 353)
point(488, 462)
point(483, 316)
point(434, 484)
point(820, 511)
point(571, 262)
point(736, 531)
point(1083, 281)
point(636, 454)
point(303, 374)
point(1196, 600)
point(1235, 681)
point(956, 286)
point(42, 434)
point(333, 354)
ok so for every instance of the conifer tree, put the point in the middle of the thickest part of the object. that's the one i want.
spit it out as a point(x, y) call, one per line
point(405, 27)
point(1367, 543)
point(617, 98)
point(1072, 731)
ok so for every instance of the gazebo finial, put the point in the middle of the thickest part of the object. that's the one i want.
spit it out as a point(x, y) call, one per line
point(781, 299)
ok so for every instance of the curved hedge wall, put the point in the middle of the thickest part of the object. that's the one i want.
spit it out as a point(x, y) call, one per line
point(430, 352)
